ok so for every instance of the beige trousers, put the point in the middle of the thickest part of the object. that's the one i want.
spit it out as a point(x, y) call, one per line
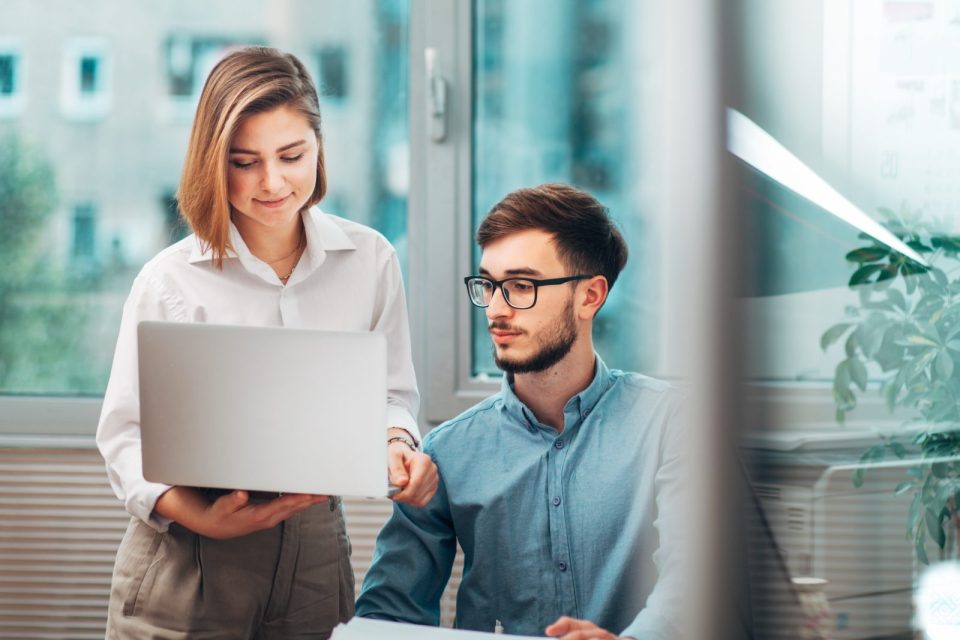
point(291, 581)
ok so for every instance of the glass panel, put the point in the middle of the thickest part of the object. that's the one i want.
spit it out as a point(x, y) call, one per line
point(89, 66)
point(7, 74)
point(83, 210)
point(852, 315)
point(555, 100)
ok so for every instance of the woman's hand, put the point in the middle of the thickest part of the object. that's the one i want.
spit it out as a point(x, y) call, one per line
point(231, 515)
point(413, 472)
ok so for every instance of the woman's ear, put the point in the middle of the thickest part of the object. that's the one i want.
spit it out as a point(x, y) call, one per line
point(594, 294)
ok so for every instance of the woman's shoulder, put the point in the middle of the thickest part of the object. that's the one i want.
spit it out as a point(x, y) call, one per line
point(172, 257)
point(338, 231)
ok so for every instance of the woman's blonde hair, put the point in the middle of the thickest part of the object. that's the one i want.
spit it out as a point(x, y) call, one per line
point(248, 81)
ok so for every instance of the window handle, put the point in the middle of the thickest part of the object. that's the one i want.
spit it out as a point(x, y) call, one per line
point(436, 96)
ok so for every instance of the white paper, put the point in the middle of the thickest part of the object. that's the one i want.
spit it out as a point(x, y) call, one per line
point(367, 629)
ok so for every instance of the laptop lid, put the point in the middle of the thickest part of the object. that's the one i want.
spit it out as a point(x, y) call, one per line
point(263, 408)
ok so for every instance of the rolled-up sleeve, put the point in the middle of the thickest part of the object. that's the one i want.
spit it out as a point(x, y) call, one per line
point(118, 433)
point(403, 399)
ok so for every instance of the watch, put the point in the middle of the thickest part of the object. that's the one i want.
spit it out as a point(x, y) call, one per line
point(407, 440)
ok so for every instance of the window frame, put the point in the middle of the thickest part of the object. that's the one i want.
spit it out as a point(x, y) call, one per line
point(75, 104)
point(441, 213)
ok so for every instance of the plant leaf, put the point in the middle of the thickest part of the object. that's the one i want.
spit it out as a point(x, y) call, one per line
point(933, 527)
point(868, 254)
point(939, 277)
point(863, 274)
point(897, 298)
point(914, 514)
point(858, 372)
point(833, 334)
point(857, 477)
point(850, 347)
point(898, 450)
point(918, 545)
point(944, 364)
point(902, 488)
point(918, 340)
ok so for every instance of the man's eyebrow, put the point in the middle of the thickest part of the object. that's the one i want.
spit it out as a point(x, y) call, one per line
point(280, 150)
point(523, 271)
point(520, 271)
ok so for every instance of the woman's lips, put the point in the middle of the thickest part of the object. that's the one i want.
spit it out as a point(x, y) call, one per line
point(272, 204)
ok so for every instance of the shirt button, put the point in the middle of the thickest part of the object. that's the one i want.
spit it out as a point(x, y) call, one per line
point(562, 566)
point(558, 444)
point(585, 413)
point(556, 501)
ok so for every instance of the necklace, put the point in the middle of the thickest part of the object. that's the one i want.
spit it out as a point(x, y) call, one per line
point(289, 255)
point(295, 249)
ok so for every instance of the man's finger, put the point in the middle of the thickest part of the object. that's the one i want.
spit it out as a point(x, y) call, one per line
point(397, 466)
point(588, 634)
point(561, 626)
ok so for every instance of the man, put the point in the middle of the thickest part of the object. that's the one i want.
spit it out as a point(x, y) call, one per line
point(561, 489)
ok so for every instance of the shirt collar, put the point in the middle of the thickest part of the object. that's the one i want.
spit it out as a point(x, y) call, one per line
point(323, 235)
point(583, 401)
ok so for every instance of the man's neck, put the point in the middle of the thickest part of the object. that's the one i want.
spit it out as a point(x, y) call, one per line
point(546, 392)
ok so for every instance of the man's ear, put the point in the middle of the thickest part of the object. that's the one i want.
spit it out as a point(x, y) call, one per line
point(593, 294)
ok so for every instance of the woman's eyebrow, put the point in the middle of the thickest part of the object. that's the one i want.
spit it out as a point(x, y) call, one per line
point(254, 153)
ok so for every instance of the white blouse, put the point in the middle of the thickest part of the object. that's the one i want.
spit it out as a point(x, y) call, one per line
point(348, 279)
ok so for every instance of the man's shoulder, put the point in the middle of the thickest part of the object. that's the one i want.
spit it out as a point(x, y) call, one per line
point(464, 425)
point(638, 384)
point(653, 402)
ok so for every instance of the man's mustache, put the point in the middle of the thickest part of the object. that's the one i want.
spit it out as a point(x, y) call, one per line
point(503, 326)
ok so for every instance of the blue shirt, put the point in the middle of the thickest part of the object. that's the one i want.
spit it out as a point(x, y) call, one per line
point(550, 523)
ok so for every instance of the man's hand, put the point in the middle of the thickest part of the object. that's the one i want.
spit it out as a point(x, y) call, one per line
point(413, 471)
point(231, 515)
point(567, 628)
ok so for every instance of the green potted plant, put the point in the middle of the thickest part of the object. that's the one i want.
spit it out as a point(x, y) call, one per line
point(907, 324)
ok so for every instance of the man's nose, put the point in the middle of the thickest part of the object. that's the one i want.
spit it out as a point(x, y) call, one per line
point(498, 306)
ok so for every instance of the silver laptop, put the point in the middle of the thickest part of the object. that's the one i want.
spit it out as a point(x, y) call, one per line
point(264, 409)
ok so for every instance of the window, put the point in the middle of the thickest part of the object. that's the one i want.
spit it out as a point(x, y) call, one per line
point(332, 78)
point(98, 203)
point(187, 62)
point(12, 95)
point(851, 302)
point(86, 83)
point(551, 105)
point(84, 233)
point(534, 96)
point(8, 74)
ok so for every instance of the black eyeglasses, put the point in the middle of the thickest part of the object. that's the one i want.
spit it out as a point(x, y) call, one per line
point(519, 293)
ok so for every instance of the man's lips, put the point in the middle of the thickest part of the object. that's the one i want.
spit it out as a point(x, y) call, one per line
point(273, 203)
point(502, 336)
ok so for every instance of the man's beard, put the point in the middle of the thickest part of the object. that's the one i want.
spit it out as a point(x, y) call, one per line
point(554, 345)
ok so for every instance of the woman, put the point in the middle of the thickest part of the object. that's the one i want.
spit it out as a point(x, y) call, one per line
point(201, 563)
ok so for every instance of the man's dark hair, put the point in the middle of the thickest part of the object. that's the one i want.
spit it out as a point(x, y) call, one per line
point(587, 239)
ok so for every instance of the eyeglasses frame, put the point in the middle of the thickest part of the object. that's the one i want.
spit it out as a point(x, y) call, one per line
point(498, 284)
